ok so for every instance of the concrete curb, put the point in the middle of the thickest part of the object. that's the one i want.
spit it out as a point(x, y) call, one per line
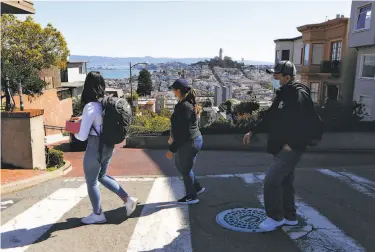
point(25, 183)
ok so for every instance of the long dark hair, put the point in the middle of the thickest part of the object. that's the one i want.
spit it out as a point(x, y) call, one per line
point(190, 95)
point(93, 88)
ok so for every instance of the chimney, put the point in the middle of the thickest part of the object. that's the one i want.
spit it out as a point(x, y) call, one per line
point(337, 15)
point(342, 16)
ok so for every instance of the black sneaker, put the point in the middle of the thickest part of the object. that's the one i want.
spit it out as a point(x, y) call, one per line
point(188, 200)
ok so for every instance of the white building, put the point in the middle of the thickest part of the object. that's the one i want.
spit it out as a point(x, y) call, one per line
point(75, 71)
point(290, 49)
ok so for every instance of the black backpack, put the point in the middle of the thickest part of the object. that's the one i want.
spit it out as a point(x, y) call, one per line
point(314, 123)
point(117, 117)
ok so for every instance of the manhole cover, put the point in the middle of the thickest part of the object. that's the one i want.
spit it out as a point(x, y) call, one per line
point(242, 219)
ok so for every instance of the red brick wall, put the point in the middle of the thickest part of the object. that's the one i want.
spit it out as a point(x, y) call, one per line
point(56, 112)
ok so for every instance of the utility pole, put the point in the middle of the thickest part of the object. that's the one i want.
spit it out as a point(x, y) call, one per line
point(131, 80)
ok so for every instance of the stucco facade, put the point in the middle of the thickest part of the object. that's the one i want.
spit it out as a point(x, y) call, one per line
point(362, 39)
point(56, 111)
point(328, 65)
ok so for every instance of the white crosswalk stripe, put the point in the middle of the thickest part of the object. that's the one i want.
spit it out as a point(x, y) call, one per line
point(162, 213)
point(320, 234)
point(354, 181)
point(23, 230)
point(163, 225)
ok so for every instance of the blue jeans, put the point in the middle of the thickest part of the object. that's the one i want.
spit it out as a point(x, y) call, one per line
point(96, 170)
point(185, 158)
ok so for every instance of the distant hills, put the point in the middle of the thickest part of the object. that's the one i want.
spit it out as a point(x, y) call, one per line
point(121, 63)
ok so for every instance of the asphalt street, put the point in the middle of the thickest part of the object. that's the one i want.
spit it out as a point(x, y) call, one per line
point(336, 209)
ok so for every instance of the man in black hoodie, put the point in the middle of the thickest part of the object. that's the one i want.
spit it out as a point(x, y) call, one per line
point(288, 124)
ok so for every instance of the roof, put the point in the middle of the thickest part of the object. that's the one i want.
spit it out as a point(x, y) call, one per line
point(324, 25)
point(287, 39)
point(17, 7)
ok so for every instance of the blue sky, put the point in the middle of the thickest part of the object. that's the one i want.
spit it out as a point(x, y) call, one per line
point(183, 28)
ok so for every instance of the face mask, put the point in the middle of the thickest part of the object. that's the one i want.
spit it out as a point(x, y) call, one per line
point(276, 84)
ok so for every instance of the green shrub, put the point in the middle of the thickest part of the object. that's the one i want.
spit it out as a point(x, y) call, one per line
point(55, 158)
point(77, 106)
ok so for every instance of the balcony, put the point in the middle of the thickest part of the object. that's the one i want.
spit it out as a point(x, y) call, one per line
point(332, 67)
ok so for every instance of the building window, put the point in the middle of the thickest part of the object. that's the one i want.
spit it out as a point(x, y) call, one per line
point(367, 102)
point(364, 18)
point(314, 91)
point(317, 53)
point(368, 66)
point(306, 57)
point(301, 56)
point(285, 54)
point(332, 92)
point(336, 51)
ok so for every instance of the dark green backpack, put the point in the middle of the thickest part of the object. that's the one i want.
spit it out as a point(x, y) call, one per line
point(314, 124)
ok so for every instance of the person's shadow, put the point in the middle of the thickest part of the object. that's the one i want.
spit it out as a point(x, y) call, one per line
point(178, 244)
point(25, 237)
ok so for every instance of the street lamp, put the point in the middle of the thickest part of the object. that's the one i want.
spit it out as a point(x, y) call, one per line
point(130, 79)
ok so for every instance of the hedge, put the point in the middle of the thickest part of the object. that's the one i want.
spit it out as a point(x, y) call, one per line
point(231, 129)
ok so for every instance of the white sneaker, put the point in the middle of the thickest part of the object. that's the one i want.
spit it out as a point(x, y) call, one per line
point(130, 205)
point(202, 190)
point(290, 223)
point(270, 224)
point(94, 218)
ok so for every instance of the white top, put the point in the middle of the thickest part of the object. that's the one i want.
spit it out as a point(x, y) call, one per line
point(91, 116)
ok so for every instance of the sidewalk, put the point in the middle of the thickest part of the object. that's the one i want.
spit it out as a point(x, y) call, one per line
point(13, 175)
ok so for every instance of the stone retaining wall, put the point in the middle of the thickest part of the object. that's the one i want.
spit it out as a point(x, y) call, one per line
point(348, 141)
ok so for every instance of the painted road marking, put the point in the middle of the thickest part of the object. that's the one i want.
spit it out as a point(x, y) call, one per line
point(321, 234)
point(119, 179)
point(26, 228)
point(356, 182)
point(163, 225)
point(8, 202)
point(150, 179)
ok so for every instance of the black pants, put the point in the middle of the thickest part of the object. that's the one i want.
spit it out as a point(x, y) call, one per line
point(184, 159)
point(278, 186)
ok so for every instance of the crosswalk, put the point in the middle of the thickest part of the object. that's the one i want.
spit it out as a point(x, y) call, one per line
point(336, 209)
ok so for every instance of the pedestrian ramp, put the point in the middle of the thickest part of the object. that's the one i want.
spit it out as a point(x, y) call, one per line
point(336, 212)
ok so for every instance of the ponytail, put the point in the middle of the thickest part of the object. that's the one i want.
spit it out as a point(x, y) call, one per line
point(190, 97)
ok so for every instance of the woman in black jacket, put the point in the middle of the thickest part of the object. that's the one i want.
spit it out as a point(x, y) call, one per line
point(186, 140)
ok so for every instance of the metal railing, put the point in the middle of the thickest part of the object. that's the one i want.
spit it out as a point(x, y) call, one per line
point(332, 67)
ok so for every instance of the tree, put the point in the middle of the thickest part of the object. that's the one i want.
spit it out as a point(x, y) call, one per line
point(251, 90)
point(246, 107)
point(144, 83)
point(27, 48)
point(207, 103)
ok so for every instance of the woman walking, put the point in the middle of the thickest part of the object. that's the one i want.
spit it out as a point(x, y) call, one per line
point(186, 140)
point(95, 163)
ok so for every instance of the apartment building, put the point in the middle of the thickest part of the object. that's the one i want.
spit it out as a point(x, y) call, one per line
point(328, 65)
point(362, 39)
point(290, 49)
